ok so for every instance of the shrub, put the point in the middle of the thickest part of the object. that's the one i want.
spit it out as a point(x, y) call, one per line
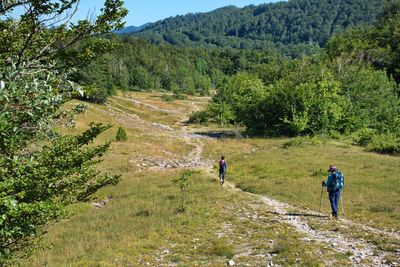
point(121, 134)
point(95, 94)
point(199, 117)
point(167, 98)
point(364, 136)
point(179, 96)
point(182, 182)
point(385, 144)
point(305, 140)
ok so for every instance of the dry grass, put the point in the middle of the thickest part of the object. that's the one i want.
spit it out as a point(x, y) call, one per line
point(142, 224)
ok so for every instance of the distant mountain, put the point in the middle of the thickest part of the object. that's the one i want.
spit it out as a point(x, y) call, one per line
point(131, 29)
point(298, 24)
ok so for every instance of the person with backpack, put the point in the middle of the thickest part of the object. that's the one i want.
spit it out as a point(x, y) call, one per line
point(222, 170)
point(334, 185)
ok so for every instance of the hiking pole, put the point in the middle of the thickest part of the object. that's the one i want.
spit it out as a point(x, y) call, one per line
point(320, 200)
point(341, 201)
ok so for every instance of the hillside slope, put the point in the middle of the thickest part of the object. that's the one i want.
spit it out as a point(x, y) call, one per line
point(297, 23)
point(273, 219)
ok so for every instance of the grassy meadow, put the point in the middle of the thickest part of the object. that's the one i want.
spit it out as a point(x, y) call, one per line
point(143, 223)
point(293, 171)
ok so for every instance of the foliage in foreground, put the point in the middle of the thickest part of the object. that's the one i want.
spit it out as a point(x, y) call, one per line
point(41, 171)
point(45, 181)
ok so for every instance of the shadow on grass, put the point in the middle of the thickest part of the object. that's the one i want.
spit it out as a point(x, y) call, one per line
point(221, 134)
point(299, 214)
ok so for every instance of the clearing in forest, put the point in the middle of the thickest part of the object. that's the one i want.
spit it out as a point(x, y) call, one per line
point(266, 214)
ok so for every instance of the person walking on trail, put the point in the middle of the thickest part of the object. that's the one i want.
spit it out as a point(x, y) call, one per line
point(334, 185)
point(222, 170)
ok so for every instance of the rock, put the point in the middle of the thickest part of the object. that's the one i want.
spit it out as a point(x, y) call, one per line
point(231, 263)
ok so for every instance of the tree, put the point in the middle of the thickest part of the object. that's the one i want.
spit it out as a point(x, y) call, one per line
point(387, 35)
point(294, 27)
point(247, 92)
point(378, 44)
point(37, 54)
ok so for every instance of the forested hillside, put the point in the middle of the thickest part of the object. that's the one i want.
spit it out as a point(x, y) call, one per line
point(293, 27)
point(351, 87)
point(139, 65)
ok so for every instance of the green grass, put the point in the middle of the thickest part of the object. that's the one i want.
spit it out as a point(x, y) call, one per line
point(294, 175)
point(144, 224)
point(138, 222)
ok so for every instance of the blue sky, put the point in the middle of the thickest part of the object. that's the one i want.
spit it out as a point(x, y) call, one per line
point(143, 11)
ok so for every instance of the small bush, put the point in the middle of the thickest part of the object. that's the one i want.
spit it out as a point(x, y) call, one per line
point(364, 136)
point(335, 135)
point(167, 98)
point(175, 96)
point(305, 140)
point(93, 93)
point(179, 96)
point(385, 144)
point(182, 182)
point(121, 134)
point(199, 117)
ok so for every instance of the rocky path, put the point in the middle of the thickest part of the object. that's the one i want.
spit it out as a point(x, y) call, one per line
point(361, 252)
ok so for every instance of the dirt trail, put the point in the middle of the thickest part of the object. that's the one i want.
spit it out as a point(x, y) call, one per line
point(146, 105)
point(363, 253)
point(361, 250)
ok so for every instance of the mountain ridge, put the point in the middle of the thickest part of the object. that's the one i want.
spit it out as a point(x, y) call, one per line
point(300, 24)
point(131, 29)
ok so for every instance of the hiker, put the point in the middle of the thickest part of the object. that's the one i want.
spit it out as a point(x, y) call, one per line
point(334, 186)
point(222, 170)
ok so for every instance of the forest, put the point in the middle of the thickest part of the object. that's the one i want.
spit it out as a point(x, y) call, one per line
point(349, 87)
point(293, 28)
